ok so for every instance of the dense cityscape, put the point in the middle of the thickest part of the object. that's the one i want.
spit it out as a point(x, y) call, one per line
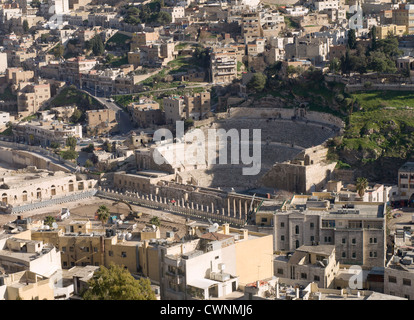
point(206, 150)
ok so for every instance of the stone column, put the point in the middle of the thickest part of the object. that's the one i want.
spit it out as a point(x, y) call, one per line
point(234, 207)
point(212, 207)
point(228, 207)
point(240, 209)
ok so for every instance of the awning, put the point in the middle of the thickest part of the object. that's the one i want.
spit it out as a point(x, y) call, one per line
point(202, 283)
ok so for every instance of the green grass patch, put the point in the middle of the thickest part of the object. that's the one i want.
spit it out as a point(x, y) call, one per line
point(72, 96)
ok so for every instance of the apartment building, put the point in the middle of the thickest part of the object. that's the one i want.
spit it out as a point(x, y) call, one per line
point(405, 182)
point(45, 132)
point(31, 97)
point(384, 30)
point(146, 113)
point(217, 262)
point(173, 108)
point(101, 121)
point(356, 230)
point(143, 39)
point(14, 76)
point(29, 255)
point(251, 27)
point(309, 264)
point(223, 66)
point(198, 105)
point(399, 274)
point(404, 16)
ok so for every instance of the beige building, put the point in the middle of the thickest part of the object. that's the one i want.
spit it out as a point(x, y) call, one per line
point(25, 285)
point(143, 39)
point(403, 17)
point(309, 264)
point(14, 76)
point(146, 113)
point(251, 26)
point(223, 66)
point(357, 230)
point(174, 109)
point(31, 97)
point(397, 30)
point(101, 121)
point(29, 186)
point(45, 132)
point(217, 262)
point(197, 106)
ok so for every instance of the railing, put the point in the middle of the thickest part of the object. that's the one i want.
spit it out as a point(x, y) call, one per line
point(50, 202)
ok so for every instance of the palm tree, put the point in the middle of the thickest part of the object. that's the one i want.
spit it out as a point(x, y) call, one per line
point(361, 185)
point(103, 213)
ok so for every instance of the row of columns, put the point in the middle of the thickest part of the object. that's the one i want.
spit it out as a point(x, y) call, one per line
point(236, 207)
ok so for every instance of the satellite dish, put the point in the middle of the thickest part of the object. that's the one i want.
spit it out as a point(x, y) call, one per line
point(54, 225)
point(215, 227)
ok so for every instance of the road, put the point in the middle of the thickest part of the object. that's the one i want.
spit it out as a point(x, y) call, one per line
point(203, 84)
point(123, 118)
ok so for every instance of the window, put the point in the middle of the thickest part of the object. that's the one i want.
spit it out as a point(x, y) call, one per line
point(279, 271)
point(353, 241)
point(65, 264)
point(328, 223)
point(282, 238)
point(316, 278)
point(312, 225)
point(344, 254)
point(123, 254)
point(110, 253)
point(303, 275)
point(406, 282)
point(353, 255)
point(392, 279)
point(312, 238)
point(63, 249)
point(343, 240)
point(264, 219)
point(95, 249)
point(296, 229)
point(282, 224)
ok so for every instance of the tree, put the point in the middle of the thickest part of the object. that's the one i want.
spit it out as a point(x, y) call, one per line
point(89, 149)
point(54, 145)
point(335, 65)
point(351, 39)
point(257, 83)
point(107, 146)
point(373, 35)
point(59, 50)
point(117, 283)
point(88, 163)
point(98, 47)
point(69, 155)
point(76, 116)
point(155, 221)
point(103, 214)
point(25, 26)
point(71, 143)
point(49, 221)
point(361, 185)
